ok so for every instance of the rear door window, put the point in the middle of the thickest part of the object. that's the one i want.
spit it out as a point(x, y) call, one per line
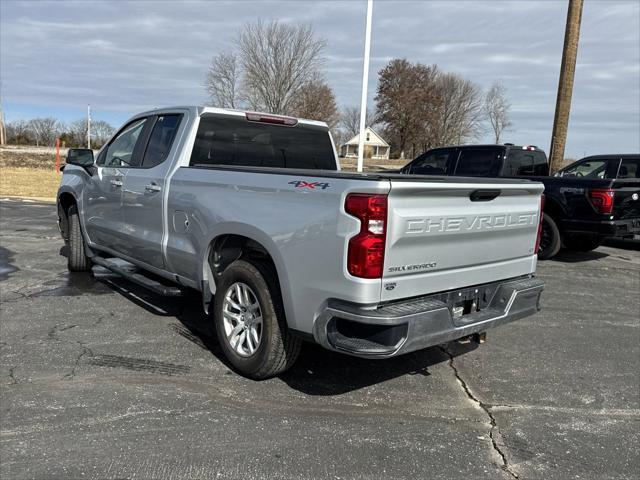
point(433, 162)
point(629, 168)
point(227, 140)
point(479, 162)
point(161, 139)
point(522, 163)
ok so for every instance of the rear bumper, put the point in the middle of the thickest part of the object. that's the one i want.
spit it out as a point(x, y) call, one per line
point(608, 228)
point(399, 328)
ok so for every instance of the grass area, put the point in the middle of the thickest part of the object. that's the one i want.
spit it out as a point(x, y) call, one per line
point(28, 158)
point(29, 182)
point(32, 174)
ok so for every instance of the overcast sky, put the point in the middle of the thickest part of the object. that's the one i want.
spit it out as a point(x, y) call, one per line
point(124, 57)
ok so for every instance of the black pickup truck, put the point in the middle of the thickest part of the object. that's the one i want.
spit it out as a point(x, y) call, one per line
point(590, 200)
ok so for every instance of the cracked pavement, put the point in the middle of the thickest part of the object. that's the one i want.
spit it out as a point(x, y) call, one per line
point(101, 379)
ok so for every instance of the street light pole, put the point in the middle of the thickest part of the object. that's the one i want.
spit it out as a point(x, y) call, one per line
point(365, 82)
point(88, 126)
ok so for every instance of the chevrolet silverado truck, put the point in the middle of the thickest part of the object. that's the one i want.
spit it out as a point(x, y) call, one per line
point(591, 200)
point(253, 211)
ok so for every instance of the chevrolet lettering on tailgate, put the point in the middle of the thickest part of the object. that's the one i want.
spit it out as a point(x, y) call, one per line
point(464, 224)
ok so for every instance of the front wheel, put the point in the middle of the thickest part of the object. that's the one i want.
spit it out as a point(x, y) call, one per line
point(581, 243)
point(250, 322)
point(77, 260)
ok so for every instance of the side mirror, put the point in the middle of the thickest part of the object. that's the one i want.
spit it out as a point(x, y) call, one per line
point(82, 157)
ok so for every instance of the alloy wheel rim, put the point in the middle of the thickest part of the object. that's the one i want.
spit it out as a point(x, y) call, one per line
point(242, 319)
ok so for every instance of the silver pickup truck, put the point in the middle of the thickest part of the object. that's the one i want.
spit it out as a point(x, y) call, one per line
point(253, 211)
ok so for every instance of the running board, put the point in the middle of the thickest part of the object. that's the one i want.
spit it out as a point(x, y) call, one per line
point(134, 274)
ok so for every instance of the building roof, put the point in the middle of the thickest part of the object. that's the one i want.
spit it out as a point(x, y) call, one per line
point(375, 140)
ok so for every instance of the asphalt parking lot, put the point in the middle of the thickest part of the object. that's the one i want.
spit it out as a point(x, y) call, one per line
point(100, 379)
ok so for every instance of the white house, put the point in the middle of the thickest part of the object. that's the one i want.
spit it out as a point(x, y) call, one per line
point(374, 146)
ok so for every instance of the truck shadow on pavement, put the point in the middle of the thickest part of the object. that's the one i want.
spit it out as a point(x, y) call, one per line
point(325, 373)
point(568, 256)
point(623, 244)
point(317, 372)
point(6, 263)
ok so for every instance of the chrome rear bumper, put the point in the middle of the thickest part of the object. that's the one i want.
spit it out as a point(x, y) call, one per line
point(398, 328)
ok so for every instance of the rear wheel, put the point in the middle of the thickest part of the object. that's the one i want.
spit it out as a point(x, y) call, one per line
point(550, 241)
point(581, 243)
point(77, 260)
point(250, 322)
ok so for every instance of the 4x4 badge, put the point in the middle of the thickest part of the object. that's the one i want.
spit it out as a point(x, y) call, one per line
point(310, 185)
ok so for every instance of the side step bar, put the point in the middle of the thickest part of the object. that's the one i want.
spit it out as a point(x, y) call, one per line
point(133, 274)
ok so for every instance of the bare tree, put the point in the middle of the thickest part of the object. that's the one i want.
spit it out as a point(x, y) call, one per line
point(277, 60)
point(497, 107)
point(19, 133)
point(44, 130)
point(350, 120)
point(459, 110)
point(223, 81)
point(101, 131)
point(316, 101)
point(76, 133)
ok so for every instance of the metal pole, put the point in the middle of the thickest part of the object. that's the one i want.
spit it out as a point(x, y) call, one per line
point(365, 82)
point(88, 126)
point(3, 132)
point(58, 155)
point(565, 85)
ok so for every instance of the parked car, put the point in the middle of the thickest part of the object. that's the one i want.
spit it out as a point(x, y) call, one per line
point(252, 210)
point(588, 201)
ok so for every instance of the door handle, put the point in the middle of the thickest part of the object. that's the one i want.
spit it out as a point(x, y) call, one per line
point(484, 195)
point(116, 183)
point(153, 187)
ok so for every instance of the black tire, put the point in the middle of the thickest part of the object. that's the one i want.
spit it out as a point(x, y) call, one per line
point(581, 243)
point(77, 260)
point(551, 241)
point(278, 349)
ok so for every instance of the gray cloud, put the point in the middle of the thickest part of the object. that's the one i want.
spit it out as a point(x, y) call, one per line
point(126, 56)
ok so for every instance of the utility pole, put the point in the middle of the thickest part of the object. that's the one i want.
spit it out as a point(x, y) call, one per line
point(88, 126)
point(365, 83)
point(3, 131)
point(565, 84)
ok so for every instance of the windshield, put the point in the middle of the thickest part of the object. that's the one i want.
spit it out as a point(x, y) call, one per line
point(231, 140)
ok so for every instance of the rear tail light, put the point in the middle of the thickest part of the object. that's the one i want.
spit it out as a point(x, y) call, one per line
point(365, 257)
point(273, 119)
point(602, 200)
point(539, 237)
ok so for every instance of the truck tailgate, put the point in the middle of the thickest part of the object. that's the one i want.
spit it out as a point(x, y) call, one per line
point(456, 233)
